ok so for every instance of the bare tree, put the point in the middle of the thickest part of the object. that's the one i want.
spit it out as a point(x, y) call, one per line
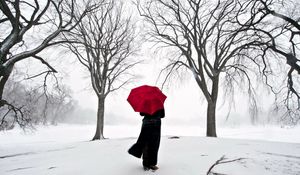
point(29, 27)
point(276, 51)
point(105, 44)
point(210, 41)
point(282, 41)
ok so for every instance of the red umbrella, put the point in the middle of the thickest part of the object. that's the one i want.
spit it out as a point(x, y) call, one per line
point(146, 99)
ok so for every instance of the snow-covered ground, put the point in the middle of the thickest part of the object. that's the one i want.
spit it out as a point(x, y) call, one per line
point(66, 150)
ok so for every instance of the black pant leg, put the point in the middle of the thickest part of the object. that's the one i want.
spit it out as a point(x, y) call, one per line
point(150, 151)
point(137, 148)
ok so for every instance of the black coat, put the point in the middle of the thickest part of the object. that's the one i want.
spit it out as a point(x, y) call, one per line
point(154, 119)
point(149, 138)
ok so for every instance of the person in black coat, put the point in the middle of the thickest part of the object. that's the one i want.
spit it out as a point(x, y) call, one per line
point(147, 144)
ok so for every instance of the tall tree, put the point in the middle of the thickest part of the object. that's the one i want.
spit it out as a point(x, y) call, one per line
point(21, 22)
point(105, 42)
point(210, 41)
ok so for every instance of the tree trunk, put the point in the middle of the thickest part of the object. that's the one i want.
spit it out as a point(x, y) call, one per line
point(211, 109)
point(100, 119)
point(211, 120)
point(5, 73)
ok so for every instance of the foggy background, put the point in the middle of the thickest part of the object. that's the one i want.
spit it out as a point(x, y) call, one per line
point(185, 104)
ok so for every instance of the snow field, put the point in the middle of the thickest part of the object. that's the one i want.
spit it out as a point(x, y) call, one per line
point(66, 149)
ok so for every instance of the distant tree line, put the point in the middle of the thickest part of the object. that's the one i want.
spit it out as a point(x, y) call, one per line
point(34, 105)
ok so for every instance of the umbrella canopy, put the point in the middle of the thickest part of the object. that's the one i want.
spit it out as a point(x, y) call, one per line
point(146, 99)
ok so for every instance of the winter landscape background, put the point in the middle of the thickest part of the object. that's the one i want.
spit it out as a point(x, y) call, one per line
point(48, 107)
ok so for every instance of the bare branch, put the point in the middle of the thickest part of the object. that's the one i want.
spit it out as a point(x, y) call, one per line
point(222, 160)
